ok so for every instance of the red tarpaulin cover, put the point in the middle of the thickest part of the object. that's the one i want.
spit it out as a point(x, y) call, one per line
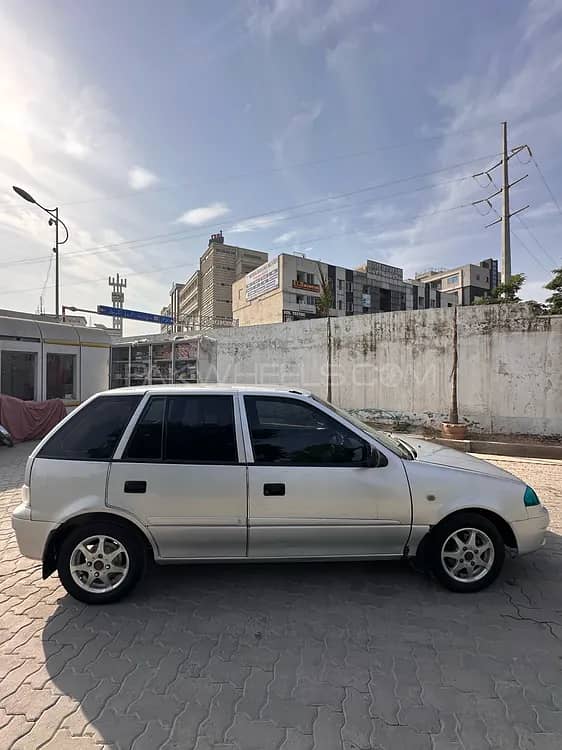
point(30, 420)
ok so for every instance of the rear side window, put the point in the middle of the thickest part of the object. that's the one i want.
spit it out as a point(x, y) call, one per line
point(93, 432)
point(185, 429)
point(200, 429)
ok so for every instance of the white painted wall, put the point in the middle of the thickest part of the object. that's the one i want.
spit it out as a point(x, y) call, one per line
point(396, 366)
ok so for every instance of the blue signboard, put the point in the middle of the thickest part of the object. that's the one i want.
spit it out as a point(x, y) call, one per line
point(121, 312)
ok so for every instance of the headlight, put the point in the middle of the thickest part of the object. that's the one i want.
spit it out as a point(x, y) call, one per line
point(530, 497)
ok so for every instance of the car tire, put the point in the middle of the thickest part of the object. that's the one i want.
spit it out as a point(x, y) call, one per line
point(467, 552)
point(100, 562)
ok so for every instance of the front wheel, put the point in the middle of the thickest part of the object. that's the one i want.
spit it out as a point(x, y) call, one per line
point(100, 562)
point(467, 552)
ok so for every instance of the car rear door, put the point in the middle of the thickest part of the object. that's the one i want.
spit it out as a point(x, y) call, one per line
point(181, 471)
point(310, 493)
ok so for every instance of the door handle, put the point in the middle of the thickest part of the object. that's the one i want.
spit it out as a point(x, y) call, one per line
point(131, 486)
point(274, 489)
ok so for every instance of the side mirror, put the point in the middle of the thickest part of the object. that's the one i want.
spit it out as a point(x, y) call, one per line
point(373, 458)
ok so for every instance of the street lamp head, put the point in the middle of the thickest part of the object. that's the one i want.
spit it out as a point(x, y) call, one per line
point(24, 194)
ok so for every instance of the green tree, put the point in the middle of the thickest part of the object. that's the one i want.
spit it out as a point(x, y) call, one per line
point(554, 302)
point(504, 293)
point(326, 299)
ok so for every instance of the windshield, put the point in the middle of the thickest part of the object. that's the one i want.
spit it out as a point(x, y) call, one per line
point(399, 447)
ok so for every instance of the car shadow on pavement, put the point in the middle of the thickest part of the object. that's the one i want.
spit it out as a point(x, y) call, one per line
point(294, 655)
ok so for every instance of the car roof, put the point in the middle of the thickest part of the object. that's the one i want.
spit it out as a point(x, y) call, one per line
point(272, 390)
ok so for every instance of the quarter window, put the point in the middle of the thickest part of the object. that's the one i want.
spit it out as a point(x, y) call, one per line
point(146, 441)
point(93, 432)
point(288, 431)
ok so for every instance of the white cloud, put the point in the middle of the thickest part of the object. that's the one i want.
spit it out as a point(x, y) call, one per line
point(140, 178)
point(294, 134)
point(252, 225)
point(310, 20)
point(197, 216)
point(285, 237)
point(72, 157)
point(73, 147)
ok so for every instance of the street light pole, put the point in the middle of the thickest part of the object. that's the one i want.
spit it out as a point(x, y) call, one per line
point(54, 214)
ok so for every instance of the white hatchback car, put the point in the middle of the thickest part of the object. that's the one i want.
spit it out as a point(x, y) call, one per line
point(207, 473)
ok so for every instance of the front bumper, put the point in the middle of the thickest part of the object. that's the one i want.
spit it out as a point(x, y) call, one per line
point(531, 533)
point(31, 535)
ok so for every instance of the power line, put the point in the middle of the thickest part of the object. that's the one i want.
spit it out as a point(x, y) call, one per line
point(527, 248)
point(536, 239)
point(547, 186)
point(302, 242)
point(181, 234)
point(133, 193)
point(198, 235)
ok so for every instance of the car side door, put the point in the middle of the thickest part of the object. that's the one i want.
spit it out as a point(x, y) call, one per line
point(311, 492)
point(181, 471)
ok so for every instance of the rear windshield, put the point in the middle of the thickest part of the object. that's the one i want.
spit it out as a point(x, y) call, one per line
point(93, 432)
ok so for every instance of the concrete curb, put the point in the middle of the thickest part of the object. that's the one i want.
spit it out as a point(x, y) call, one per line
point(519, 450)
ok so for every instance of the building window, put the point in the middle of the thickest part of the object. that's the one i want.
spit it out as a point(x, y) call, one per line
point(310, 300)
point(301, 276)
point(366, 309)
point(451, 280)
point(421, 301)
point(340, 285)
point(310, 278)
point(432, 303)
point(61, 376)
point(365, 290)
point(17, 376)
point(348, 286)
point(477, 277)
point(340, 304)
point(300, 299)
point(349, 307)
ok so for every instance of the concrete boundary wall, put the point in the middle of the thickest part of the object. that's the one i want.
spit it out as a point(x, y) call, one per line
point(396, 367)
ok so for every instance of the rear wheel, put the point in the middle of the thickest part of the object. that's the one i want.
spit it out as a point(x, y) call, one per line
point(100, 562)
point(467, 552)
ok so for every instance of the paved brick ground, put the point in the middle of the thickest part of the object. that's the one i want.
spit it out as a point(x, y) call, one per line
point(293, 657)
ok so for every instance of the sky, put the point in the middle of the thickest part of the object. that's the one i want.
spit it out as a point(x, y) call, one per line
point(342, 129)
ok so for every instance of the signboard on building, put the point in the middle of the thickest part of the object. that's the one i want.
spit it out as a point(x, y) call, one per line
point(263, 279)
point(120, 312)
point(305, 286)
point(366, 300)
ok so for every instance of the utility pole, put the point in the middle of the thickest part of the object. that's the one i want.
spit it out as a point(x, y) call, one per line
point(505, 216)
point(506, 237)
point(54, 214)
point(56, 252)
point(117, 299)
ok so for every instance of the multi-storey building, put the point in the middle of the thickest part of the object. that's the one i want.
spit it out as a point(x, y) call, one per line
point(205, 300)
point(468, 282)
point(220, 266)
point(290, 287)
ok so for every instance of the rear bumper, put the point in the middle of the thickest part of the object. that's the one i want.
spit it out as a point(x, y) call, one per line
point(31, 535)
point(531, 533)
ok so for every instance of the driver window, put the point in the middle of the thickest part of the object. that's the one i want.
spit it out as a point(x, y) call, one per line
point(289, 431)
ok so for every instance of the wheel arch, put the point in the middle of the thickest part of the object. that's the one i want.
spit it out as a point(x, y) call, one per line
point(505, 530)
point(57, 535)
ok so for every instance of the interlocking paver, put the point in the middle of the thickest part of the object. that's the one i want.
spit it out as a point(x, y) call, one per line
point(296, 657)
